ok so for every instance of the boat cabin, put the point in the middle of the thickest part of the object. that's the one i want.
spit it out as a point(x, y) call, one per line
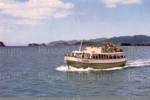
point(104, 56)
point(96, 53)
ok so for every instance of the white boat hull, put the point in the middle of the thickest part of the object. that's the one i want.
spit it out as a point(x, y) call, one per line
point(95, 63)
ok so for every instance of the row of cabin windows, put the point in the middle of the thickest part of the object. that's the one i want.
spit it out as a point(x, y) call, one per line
point(107, 57)
point(98, 56)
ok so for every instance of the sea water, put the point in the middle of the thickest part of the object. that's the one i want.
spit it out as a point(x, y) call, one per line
point(42, 72)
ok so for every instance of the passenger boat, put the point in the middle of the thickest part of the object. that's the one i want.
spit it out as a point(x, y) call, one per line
point(97, 57)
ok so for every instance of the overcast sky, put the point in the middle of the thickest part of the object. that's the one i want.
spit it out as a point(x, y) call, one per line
point(43, 21)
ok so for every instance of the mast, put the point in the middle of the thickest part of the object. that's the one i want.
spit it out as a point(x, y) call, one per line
point(81, 43)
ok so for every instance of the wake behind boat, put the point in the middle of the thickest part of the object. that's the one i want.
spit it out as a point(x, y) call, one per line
point(97, 57)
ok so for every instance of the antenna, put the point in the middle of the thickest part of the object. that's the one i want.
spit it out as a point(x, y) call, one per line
point(81, 43)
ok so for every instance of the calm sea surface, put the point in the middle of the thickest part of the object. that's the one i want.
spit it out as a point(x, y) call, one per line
point(41, 72)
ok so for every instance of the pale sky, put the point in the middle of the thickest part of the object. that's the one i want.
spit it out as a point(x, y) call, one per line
point(43, 21)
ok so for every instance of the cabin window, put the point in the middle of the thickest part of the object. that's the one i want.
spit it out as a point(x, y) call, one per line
point(86, 55)
point(114, 56)
point(96, 57)
point(102, 56)
point(83, 55)
point(110, 56)
point(121, 56)
point(106, 57)
point(78, 54)
point(99, 56)
point(118, 57)
point(93, 56)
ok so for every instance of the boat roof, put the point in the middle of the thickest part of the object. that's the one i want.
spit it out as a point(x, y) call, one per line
point(77, 51)
point(106, 49)
point(101, 50)
point(92, 52)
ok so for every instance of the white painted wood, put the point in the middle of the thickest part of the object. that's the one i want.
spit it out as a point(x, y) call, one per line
point(95, 61)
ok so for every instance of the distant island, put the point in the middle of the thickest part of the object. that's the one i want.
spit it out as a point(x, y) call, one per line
point(2, 44)
point(136, 44)
point(35, 44)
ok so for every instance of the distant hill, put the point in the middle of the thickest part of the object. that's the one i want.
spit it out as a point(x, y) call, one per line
point(54, 43)
point(137, 39)
point(97, 39)
point(74, 42)
point(130, 39)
